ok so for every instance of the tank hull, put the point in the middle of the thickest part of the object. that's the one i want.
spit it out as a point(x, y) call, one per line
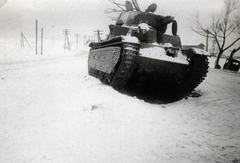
point(166, 80)
point(123, 67)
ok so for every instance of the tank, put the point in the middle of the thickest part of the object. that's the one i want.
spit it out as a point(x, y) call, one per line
point(139, 56)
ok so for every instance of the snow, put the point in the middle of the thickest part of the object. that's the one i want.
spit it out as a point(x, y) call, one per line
point(159, 53)
point(144, 26)
point(201, 51)
point(130, 39)
point(11, 50)
point(53, 111)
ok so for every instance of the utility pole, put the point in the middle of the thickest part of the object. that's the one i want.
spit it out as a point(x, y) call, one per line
point(98, 33)
point(42, 41)
point(22, 40)
point(66, 43)
point(53, 36)
point(77, 40)
point(36, 35)
point(207, 40)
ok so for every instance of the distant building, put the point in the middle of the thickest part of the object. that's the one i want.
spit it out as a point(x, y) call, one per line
point(186, 47)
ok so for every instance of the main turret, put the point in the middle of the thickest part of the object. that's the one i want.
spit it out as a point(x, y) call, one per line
point(146, 26)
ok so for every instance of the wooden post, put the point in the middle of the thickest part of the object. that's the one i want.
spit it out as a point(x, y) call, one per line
point(22, 41)
point(42, 41)
point(66, 43)
point(23, 37)
point(98, 33)
point(36, 35)
point(77, 41)
point(207, 40)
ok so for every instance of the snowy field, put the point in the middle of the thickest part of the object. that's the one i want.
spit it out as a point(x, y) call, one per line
point(53, 112)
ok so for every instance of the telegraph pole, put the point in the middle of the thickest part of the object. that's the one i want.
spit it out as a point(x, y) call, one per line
point(36, 35)
point(98, 33)
point(77, 40)
point(66, 43)
point(207, 40)
point(22, 40)
point(42, 41)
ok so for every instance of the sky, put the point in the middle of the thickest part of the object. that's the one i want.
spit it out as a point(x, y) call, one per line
point(84, 17)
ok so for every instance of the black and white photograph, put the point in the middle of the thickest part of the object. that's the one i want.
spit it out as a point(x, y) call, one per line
point(119, 81)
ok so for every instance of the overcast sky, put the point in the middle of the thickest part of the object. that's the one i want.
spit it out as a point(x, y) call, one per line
point(85, 16)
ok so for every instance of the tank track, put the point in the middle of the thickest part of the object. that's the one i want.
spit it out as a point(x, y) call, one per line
point(121, 75)
point(198, 72)
point(162, 89)
point(198, 68)
point(126, 67)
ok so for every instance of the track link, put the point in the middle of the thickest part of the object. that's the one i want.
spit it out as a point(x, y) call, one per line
point(126, 67)
point(197, 73)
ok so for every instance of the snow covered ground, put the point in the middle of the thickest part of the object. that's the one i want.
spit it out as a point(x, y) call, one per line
point(53, 112)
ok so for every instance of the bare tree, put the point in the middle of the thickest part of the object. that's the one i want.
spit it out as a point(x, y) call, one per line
point(119, 7)
point(222, 26)
point(233, 52)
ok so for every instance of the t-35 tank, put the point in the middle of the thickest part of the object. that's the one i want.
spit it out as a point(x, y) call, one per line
point(138, 55)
